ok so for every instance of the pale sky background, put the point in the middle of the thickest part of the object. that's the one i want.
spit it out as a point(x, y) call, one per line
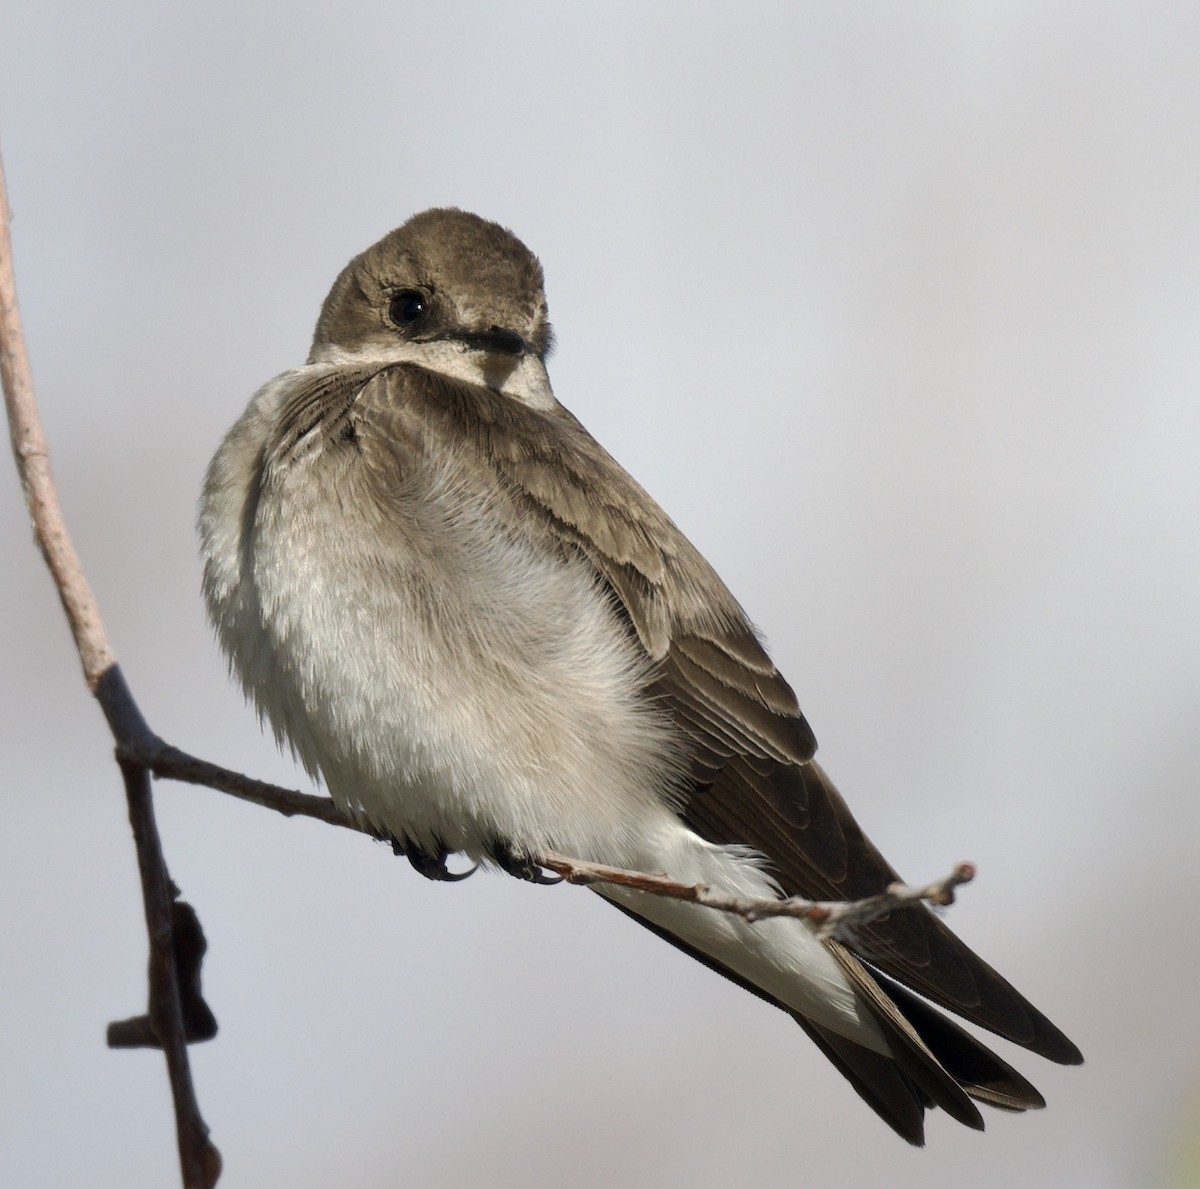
point(896, 309)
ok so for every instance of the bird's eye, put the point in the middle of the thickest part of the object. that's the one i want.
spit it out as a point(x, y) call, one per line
point(407, 306)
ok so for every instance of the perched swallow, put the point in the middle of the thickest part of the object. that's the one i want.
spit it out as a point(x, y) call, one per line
point(485, 637)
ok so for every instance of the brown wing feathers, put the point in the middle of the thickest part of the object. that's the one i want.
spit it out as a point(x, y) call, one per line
point(756, 783)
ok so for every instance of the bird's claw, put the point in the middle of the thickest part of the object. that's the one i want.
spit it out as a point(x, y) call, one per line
point(519, 866)
point(430, 864)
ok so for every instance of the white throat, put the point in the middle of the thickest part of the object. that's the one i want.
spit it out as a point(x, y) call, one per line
point(522, 378)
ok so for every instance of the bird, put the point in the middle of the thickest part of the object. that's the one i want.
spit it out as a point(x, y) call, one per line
point(486, 639)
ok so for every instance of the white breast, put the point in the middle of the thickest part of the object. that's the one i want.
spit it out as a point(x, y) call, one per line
point(458, 685)
point(453, 683)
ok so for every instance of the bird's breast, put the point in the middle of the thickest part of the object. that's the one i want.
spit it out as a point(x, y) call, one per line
point(452, 679)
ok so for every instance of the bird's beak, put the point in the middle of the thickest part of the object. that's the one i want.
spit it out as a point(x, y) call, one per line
point(496, 339)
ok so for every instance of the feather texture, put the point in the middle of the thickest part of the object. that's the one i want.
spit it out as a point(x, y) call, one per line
point(485, 636)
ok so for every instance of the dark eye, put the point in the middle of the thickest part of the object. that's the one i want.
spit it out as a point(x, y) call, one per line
point(408, 306)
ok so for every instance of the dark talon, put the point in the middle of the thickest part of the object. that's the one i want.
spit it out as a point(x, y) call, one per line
point(503, 856)
point(432, 865)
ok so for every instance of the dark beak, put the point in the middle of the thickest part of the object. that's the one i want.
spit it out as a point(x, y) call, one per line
point(496, 338)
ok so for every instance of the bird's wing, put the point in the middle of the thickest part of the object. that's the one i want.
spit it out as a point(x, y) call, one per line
point(754, 782)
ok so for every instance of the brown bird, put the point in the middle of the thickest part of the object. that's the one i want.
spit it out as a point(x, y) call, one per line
point(485, 637)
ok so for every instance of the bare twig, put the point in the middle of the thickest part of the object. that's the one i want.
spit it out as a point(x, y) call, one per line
point(33, 465)
point(199, 1161)
point(833, 918)
point(137, 742)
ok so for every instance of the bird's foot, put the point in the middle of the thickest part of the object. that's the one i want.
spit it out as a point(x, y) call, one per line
point(503, 855)
point(430, 864)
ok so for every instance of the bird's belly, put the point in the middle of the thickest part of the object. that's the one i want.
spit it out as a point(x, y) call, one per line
point(462, 690)
point(459, 685)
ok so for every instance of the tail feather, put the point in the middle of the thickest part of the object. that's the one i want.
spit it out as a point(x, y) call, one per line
point(982, 1074)
point(933, 1061)
point(877, 1080)
point(910, 1055)
point(794, 816)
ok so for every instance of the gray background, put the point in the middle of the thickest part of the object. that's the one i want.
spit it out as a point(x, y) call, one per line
point(893, 307)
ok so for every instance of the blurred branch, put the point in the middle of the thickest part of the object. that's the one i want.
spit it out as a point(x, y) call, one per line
point(200, 1163)
point(33, 465)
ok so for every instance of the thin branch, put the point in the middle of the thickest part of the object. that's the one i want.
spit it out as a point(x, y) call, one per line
point(199, 1160)
point(833, 918)
point(33, 465)
point(137, 742)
